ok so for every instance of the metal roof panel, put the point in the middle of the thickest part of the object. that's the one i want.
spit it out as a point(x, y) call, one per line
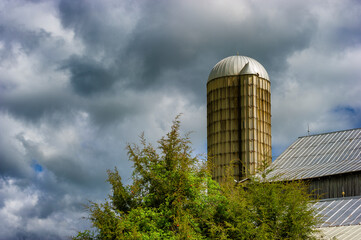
point(320, 155)
point(344, 232)
point(339, 211)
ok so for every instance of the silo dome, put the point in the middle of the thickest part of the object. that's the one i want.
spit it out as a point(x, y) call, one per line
point(237, 65)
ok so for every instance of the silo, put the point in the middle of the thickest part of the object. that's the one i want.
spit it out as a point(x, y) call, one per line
point(238, 117)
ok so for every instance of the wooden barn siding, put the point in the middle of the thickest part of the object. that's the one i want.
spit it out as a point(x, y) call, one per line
point(333, 186)
point(238, 124)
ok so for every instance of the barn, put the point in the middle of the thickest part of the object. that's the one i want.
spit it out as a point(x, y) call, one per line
point(331, 164)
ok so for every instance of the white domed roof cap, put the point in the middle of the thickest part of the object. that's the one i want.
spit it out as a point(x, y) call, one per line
point(237, 65)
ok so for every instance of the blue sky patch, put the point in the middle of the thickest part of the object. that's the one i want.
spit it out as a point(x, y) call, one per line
point(37, 167)
point(345, 110)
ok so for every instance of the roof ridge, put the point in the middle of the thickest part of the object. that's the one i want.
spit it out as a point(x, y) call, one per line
point(317, 134)
point(338, 198)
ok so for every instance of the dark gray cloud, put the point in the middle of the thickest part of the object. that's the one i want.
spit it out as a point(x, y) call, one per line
point(34, 106)
point(81, 79)
point(101, 26)
point(89, 76)
point(27, 39)
point(177, 40)
point(159, 45)
point(10, 166)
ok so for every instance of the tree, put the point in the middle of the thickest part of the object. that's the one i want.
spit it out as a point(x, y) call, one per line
point(173, 196)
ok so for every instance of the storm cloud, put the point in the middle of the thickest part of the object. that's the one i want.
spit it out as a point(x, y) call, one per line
point(81, 79)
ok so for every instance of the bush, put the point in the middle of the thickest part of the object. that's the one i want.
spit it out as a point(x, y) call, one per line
point(173, 196)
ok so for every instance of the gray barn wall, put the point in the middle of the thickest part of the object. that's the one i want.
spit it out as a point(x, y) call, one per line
point(333, 186)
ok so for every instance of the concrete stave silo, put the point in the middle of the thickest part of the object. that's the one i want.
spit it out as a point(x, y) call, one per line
point(238, 117)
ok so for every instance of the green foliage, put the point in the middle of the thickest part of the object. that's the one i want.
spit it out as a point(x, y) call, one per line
point(280, 210)
point(172, 196)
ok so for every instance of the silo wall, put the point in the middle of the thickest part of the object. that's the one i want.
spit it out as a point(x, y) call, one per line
point(238, 125)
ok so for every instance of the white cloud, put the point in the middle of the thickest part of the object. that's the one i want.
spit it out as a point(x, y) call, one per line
point(19, 209)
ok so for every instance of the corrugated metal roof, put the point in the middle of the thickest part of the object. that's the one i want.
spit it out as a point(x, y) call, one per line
point(233, 65)
point(320, 155)
point(339, 211)
point(340, 233)
point(341, 218)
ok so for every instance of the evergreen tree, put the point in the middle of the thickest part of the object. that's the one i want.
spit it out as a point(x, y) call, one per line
point(172, 196)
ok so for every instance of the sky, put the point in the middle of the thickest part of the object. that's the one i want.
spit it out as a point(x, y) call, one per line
point(79, 80)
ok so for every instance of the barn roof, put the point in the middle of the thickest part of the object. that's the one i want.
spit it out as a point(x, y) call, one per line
point(342, 232)
point(320, 155)
point(341, 218)
point(338, 212)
